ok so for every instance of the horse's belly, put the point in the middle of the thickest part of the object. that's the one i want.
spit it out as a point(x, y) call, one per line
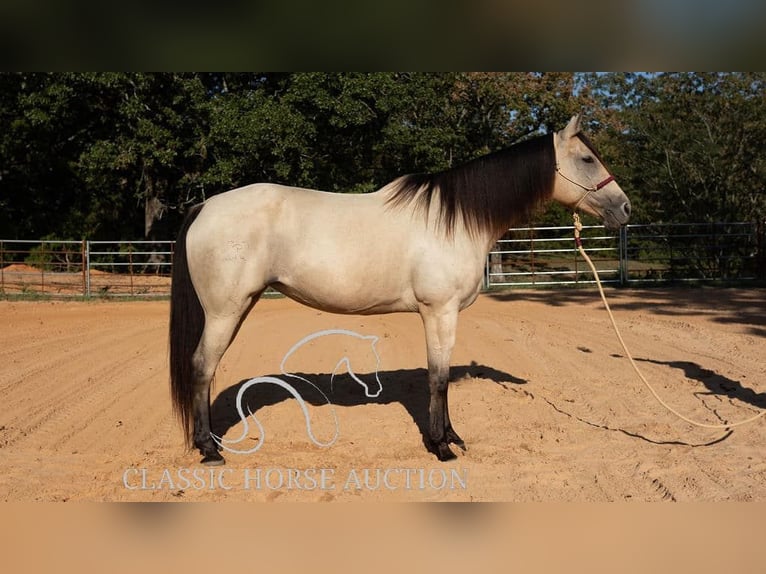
point(357, 301)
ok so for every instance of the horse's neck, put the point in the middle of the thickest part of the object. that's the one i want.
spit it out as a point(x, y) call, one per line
point(482, 241)
point(493, 236)
point(491, 239)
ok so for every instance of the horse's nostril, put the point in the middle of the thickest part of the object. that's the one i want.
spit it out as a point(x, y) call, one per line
point(626, 208)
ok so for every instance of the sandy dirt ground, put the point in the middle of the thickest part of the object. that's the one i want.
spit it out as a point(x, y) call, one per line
point(541, 393)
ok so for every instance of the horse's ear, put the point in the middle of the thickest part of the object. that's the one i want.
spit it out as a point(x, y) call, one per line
point(573, 128)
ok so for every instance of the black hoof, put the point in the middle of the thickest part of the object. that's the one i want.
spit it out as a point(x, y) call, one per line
point(214, 459)
point(444, 453)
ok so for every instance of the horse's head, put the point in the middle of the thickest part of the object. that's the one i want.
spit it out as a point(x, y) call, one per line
point(583, 182)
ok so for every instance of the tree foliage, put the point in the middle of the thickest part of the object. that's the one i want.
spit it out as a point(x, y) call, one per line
point(688, 147)
point(122, 155)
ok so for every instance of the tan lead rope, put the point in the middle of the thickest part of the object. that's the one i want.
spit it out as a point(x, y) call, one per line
point(578, 242)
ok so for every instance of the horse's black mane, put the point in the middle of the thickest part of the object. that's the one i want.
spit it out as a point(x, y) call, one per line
point(489, 193)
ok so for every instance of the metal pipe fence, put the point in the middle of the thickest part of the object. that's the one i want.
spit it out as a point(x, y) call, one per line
point(136, 268)
point(41, 267)
point(539, 256)
point(523, 257)
point(637, 254)
point(692, 252)
point(85, 268)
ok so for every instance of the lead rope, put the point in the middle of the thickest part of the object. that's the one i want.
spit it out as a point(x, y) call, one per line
point(578, 242)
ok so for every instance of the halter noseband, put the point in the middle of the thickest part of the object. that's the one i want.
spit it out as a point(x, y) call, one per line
point(588, 189)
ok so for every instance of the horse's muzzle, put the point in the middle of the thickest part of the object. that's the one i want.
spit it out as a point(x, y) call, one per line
point(616, 218)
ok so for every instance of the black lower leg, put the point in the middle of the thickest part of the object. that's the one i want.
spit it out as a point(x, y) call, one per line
point(203, 439)
point(439, 442)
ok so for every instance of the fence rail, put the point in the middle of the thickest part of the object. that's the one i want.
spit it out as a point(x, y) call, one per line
point(525, 256)
point(536, 256)
point(693, 252)
point(85, 268)
point(637, 254)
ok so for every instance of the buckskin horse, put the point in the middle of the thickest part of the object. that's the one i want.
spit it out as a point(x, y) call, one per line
point(418, 244)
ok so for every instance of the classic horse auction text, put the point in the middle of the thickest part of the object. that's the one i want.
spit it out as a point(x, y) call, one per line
point(295, 479)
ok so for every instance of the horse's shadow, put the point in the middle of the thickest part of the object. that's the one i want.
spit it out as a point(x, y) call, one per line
point(408, 387)
point(716, 383)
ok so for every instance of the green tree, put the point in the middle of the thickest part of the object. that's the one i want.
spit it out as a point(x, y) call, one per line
point(152, 154)
point(355, 132)
point(36, 180)
point(120, 155)
point(686, 146)
point(98, 155)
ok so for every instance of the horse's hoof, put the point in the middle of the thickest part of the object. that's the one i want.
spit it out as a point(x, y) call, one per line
point(444, 453)
point(213, 460)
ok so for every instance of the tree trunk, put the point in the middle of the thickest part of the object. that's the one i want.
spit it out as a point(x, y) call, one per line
point(153, 212)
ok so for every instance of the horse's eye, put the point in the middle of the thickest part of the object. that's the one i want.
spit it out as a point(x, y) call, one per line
point(588, 159)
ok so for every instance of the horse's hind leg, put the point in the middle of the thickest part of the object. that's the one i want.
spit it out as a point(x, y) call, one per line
point(216, 337)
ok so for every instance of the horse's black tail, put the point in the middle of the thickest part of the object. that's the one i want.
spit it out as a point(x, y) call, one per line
point(187, 320)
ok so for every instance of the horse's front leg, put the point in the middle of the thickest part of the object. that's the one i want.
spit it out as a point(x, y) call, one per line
point(440, 324)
